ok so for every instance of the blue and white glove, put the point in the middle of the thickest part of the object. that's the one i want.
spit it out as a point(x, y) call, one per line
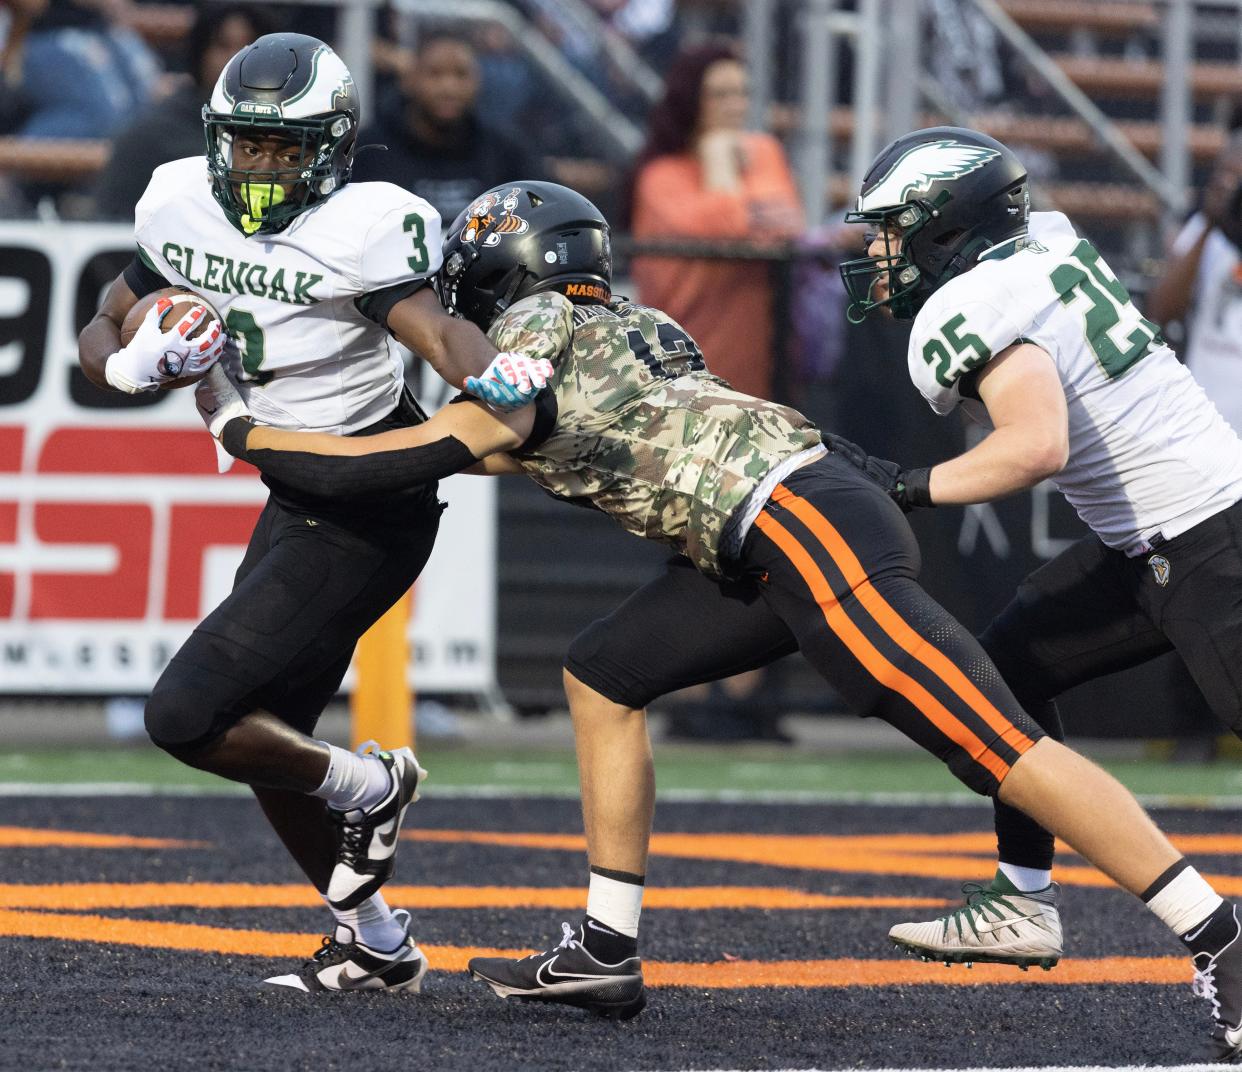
point(511, 381)
point(155, 357)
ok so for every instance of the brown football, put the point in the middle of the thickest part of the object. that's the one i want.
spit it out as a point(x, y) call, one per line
point(183, 301)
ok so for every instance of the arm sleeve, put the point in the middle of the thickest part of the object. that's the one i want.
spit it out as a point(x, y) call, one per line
point(353, 476)
point(377, 304)
point(141, 276)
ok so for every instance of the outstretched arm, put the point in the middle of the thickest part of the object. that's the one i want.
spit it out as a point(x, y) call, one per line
point(453, 440)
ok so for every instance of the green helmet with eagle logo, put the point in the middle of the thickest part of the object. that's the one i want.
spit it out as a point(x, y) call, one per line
point(293, 87)
point(951, 194)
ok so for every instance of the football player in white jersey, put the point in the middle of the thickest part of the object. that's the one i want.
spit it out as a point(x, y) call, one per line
point(1021, 323)
point(313, 278)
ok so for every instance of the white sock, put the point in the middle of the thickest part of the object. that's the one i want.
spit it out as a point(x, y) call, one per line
point(614, 903)
point(1026, 879)
point(352, 781)
point(373, 923)
point(1185, 902)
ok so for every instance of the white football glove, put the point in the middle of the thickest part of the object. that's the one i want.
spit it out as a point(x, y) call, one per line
point(218, 401)
point(511, 380)
point(155, 357)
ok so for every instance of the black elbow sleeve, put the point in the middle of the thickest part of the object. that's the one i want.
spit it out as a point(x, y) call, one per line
point(352, 476)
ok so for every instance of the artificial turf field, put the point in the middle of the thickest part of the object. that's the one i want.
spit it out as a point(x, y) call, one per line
point(135, 930)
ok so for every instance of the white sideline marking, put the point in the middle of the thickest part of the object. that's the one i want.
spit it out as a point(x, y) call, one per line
point(1011, 1068)
point(686, 796)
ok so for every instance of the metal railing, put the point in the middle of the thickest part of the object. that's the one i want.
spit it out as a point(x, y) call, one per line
point(1171, 186)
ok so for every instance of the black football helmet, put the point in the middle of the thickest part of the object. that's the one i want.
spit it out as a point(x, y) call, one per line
point(291, 86)
point(523, 238)
point(951, 194)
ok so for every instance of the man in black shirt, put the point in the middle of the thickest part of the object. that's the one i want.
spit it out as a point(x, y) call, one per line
point(438, 146)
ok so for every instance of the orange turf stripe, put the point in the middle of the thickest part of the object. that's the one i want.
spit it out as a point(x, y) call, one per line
point(894, 624)
point(94, 895)
point(22, 837)
point(866, 653)
point(722, 974)
point(908, 972)
point(920, 856)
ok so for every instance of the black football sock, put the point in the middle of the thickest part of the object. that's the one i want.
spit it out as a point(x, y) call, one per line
point(1215, 932)
point(606, 945)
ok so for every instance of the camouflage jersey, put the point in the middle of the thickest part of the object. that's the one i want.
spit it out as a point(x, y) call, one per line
point(641, 429)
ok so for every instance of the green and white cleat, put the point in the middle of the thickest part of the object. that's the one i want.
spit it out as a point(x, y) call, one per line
point(997, 925)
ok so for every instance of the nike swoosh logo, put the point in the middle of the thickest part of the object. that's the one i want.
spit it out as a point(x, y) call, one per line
point(985, 927)
point(388, 840)
point(553, 976)
point(1190, 936)
point(602, 930)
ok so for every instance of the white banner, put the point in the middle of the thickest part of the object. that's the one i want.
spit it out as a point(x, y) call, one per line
point(116, 533)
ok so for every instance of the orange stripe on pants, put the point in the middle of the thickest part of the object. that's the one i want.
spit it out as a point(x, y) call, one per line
point(879, 667)
point(902, 633)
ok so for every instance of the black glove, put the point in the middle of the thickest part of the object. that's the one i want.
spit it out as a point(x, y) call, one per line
point(908, 488)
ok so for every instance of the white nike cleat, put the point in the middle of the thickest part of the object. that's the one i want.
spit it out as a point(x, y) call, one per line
point(368, 849)
point(343, 963)
point(568, 975)
point(997, 925)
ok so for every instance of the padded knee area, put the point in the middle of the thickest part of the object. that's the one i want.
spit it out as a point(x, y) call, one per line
point(180, 710)
point(588, 660)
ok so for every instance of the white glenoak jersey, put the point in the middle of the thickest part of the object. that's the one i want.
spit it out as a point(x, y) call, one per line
point(302, 354)
point(1148, 452)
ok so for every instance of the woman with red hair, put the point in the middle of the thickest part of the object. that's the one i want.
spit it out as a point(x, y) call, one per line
point(701, 175)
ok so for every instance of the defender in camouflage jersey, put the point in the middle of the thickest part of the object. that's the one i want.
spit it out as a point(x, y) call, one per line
point(786, 545)
point(643, 431)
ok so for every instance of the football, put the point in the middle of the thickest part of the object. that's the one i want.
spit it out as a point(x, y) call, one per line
point(183, 301)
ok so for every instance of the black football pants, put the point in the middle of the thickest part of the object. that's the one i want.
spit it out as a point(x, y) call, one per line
point(1092, 611)
point(829, 569)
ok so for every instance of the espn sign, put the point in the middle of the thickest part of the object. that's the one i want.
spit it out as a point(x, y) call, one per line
point(117, 534)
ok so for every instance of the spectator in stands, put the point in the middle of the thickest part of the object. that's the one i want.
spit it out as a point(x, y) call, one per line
point(1201, 287)
point(16, 19)
point(172, 128)
point(702, 176)
point(85, 72)
point(439, 144)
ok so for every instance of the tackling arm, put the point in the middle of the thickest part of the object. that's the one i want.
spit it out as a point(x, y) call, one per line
point(455, 439)
point(1025, 400)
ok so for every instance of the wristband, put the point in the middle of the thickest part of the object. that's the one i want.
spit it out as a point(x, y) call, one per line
point(916, 487)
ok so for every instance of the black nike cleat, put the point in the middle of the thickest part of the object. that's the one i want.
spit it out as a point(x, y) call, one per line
point(1218, 978)
point(568, 975)
point(343, 963)
point(367, 853)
